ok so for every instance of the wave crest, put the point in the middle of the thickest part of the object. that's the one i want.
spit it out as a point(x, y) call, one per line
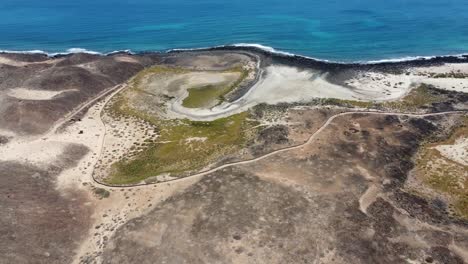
point(261, 47)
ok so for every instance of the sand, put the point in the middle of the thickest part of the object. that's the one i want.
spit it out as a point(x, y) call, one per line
point(457, 152)
point(423, 75)
point(126, 59)
point(38, 153)
point(31, 94)
point(123, 136)
point(16, 63)
point(373, 86)
point(285, 84)
point(445, 68)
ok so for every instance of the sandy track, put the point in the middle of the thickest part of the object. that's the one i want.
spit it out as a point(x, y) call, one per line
point(101, 95)
point(309, 141)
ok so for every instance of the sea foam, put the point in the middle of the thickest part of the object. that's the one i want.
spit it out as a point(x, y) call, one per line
point(261, 47)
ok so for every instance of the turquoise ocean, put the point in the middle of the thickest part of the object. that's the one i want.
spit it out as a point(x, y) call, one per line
point(336, 30)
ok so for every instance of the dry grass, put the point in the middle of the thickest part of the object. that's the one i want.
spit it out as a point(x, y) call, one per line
point(175, 151)
point(414, 100)
point(445, 175)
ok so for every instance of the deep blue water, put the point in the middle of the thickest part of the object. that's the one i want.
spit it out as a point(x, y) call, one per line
point(343, 30)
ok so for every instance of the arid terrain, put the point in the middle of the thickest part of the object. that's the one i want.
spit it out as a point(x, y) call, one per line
point(232, 155)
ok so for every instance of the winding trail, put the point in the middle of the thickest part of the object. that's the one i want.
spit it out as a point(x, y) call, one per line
point(309, 141)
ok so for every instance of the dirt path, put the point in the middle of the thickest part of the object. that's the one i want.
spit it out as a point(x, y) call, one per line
point(61, 122)
point(309, 141)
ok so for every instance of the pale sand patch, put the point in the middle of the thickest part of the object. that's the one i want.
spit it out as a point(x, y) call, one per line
point(284, 84)
point(450, 84)
point(394, 86)
point(457, 152)
point(289, 84)
point(126, 59)
point(372, 192)
point(195, 139)
point(38, 153)
point(445, 68)
point(208, 78)
point(10, 62)
point(29, 94)
point(7, 133)
point(368, 197)
point(15, 63)
point(92, 135)
point(373, 86)
point(178, 84)
point(422, 75)
point(42, 151)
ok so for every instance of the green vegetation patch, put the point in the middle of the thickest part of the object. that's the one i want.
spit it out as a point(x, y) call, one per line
point(182, 146)
point(205, 96)
point(101, 193)
point(445, 175)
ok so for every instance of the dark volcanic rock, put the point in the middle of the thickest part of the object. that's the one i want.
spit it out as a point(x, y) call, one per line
point(84, 75)
point(277, 134)
point(37, 223)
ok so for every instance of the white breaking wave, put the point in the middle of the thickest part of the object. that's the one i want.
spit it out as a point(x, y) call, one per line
point(394, 60)
point(238, 45)
point(413, 58)
point(279, 52)
point(79, 50)
point(24, 52)
point(67, 52)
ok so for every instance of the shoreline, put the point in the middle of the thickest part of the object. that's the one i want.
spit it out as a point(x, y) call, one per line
point(298, 59)
point(295, 156)
point(308, 77)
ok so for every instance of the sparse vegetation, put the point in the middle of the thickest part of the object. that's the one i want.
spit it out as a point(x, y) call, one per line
point(456, 75)
point(138, 79)
point(414, 100)
point(204, 96)
point(445, 175)
point(101, 193)
point(349, 103)
point(182, 145)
